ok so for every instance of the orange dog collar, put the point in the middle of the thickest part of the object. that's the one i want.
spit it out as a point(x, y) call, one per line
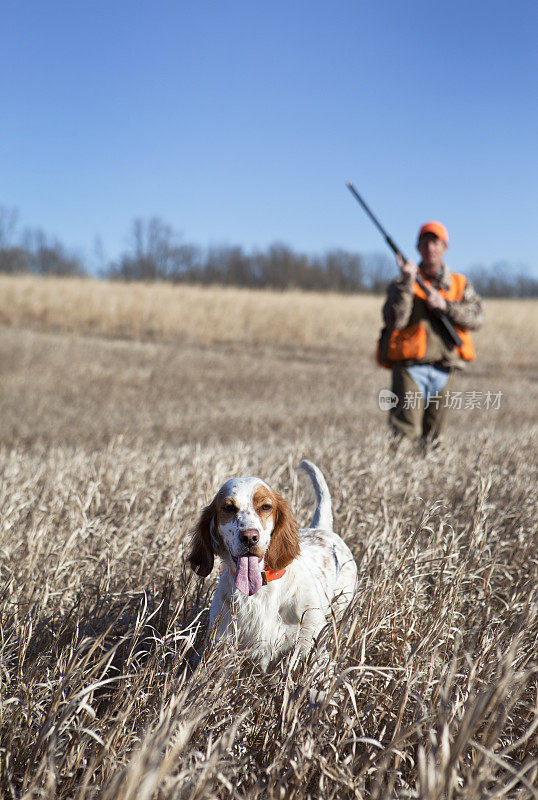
point(271, 575)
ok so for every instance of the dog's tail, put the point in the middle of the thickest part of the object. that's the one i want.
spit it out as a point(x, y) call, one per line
point(323, 515)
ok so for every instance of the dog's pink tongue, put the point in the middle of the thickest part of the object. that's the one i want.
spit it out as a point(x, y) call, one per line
point(248, 578)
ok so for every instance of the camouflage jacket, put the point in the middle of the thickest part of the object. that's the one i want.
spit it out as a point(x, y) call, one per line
point(403, 308)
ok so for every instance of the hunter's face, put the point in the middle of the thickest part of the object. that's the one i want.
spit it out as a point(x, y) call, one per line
point(432, 250)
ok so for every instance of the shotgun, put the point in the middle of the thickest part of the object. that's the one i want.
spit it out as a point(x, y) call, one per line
point(446, 326)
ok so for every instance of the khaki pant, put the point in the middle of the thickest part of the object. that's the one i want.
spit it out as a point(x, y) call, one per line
point(410, 417)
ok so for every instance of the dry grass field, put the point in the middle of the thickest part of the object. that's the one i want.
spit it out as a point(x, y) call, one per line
point(123, 408)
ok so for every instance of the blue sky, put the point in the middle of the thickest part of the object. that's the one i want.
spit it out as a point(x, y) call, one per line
point(240, 122)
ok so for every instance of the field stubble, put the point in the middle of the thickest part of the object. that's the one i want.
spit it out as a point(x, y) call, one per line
point(109, 450)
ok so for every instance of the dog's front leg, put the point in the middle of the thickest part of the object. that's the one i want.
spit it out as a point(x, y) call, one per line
point(220, 617)
point(312, 621)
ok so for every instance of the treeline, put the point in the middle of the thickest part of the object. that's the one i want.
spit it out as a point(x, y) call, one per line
point(155, 253)
point(33, 251)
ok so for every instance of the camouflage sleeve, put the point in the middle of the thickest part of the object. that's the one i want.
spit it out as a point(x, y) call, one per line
point(399, 303)
point(467, 312)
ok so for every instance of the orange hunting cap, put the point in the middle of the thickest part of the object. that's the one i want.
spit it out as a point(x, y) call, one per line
point(434, 227)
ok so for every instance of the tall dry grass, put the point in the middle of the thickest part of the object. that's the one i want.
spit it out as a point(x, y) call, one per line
point(187, 313)
point(433, 690)
point(108, 450)
point(209, 315)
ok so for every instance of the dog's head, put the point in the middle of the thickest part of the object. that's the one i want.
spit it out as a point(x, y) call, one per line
point(245, 518)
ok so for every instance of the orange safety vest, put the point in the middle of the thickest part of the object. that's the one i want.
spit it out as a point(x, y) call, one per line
point(410, 343)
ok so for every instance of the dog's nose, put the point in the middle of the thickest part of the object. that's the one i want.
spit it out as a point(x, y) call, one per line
point(249, 537)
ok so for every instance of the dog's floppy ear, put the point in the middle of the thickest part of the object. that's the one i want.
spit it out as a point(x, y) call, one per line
point(284, 545)
point(201, 556)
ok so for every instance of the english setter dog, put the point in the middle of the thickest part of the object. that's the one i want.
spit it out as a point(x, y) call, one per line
point(278, 583)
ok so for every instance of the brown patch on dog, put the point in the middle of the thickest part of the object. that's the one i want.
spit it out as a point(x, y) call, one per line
point(265, 504)
point(314, 537)
point(284, 545)
point(201, 556)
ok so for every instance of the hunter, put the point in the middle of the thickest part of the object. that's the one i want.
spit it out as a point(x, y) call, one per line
point(415, 346)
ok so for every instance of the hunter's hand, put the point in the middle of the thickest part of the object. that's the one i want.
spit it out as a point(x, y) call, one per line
point(408, 269)
point(435, 300)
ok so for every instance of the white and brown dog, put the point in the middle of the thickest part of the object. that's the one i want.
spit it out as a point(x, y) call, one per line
point(278, 583)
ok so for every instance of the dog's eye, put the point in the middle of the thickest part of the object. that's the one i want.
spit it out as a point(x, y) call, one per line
point(266, 507)
point(229, 507)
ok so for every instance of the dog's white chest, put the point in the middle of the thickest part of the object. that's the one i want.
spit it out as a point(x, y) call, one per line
point(263, 621)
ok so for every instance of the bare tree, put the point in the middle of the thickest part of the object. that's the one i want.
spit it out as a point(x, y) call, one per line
point(153, 253)
point(34, 252)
